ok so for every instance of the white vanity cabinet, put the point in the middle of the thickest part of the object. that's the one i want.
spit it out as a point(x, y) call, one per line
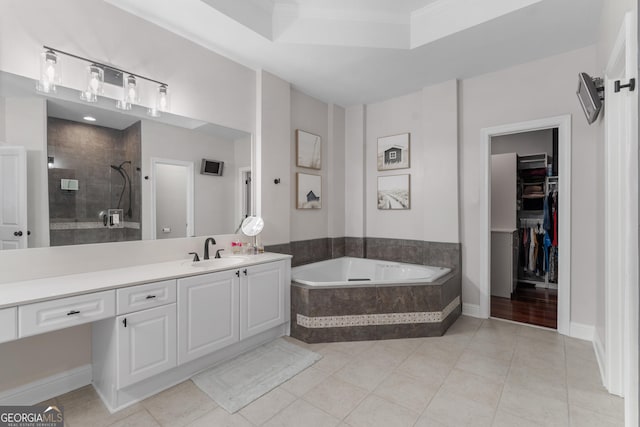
point(262, 297)
point(207, 313)
point(8, 324)
point(146, 343)
point(135, 345)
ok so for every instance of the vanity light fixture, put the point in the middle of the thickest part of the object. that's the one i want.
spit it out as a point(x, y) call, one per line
point(50, 72)
point(97, 74)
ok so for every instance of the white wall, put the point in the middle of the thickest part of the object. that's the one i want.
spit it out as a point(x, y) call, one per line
point(430, 116)
point(354, 212)
point(275, 159)
point(214, 195)
point(336, 171)
point(530, 91)
point(310, 115)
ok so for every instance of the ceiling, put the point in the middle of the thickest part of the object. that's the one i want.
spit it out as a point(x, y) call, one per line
point(361, 51)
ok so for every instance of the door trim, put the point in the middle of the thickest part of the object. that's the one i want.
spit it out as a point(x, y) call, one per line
point(563, 123)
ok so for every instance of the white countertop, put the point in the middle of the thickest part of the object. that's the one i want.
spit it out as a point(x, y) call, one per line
point(30, 291)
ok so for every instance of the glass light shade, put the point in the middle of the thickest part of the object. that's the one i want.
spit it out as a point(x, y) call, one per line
point(130, 95)
point(163, 102)
point(95, 84)
point(153, 112)
point(50, 72)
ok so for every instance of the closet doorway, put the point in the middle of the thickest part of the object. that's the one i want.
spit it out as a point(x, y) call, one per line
point(563, 124)
point(524, 227)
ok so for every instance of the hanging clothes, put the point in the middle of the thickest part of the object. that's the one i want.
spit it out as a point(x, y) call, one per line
point(532, 250)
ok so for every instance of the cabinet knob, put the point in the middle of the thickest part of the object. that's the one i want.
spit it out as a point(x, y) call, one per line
point(238, 273)
point(124, 322)
point(245, 271)
point(17, 233)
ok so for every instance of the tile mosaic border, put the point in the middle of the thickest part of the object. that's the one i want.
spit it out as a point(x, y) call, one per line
point(377, 319)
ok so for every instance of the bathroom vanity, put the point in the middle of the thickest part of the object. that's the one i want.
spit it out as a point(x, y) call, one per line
point(156, 325)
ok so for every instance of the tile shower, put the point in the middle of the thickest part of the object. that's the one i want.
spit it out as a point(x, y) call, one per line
point(86, 153)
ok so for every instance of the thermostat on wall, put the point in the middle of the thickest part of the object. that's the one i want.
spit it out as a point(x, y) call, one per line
point(69, 184)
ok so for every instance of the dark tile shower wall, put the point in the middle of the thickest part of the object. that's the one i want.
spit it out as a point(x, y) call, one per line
point(85, 152)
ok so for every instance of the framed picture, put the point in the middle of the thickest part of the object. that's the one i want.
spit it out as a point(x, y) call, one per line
point(309, 191)
point(393, 152)
point(308, 150)
point(394, 192)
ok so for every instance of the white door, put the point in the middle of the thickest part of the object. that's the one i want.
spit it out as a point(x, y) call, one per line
point(262, 298)
point(146, 344)
point(207, 314)
point(172, 199)
point(13, 198)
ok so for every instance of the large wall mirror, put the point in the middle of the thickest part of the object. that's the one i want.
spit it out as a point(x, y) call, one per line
point(96, 174)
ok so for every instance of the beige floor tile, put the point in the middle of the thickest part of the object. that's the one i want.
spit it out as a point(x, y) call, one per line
point(220, 418)
point(352, 348)
point(534, 407)
point(447, 352)
point(85, 412)
point(332, 360)
point(584, 372)
point(425, 368)
point(364, 373)
point(505, 419)
point(596, 399)
point(426, 421)
point(453, 410)
point(304, 381)
point(487, 367)
point(502, 350)
point(335, 397)
point(311, 347)
point(472, 387)
point(141, 418)
point(537, 381)
point(579, 349)
point(385, 353)
point(179, 405)
point(580, 417)
point(76, 396)
point(267, 406)
point(406, 391)
point(540, 334)
point(375, 411)
point(541, 350)
point(464, 325)
point(301, 413)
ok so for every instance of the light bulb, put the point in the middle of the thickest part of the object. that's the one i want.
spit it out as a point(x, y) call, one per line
point(50, 72)
point(162, 100)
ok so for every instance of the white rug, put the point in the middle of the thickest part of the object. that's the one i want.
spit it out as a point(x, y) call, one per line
point(239, 381)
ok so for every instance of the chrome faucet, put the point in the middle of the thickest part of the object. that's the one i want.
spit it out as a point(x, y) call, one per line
point(206, 246)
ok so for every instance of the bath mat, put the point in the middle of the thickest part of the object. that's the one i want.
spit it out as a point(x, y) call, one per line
point(239, 381)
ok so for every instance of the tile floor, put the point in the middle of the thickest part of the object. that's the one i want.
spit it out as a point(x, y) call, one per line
point(481, 373)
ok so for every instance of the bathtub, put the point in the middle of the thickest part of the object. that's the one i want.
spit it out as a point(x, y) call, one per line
point(347, 271)
point(353, 299)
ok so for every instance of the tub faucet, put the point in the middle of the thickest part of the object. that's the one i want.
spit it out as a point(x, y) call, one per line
point(206, 246)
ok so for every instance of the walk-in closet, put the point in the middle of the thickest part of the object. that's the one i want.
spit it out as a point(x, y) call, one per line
point(524, 227)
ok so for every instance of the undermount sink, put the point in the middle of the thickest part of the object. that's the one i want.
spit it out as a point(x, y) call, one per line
point(218, 262)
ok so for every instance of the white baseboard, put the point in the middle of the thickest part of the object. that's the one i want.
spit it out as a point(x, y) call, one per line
point(581, 331)
point(472, 310)
point(43, 389)
point(600, 356)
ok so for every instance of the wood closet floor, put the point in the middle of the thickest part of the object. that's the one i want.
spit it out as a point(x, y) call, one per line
point(534, 306)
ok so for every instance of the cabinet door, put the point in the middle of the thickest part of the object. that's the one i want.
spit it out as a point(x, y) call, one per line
point(146, 344)
point(261, 298)
point(207, 314)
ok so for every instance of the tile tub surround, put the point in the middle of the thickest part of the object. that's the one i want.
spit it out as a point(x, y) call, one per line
point(361, 313)
point(436, 254)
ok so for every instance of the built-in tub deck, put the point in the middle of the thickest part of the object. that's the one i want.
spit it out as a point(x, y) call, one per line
point(424, 303)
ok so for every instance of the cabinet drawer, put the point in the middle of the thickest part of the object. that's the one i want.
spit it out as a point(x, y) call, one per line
point(141, 297)
point(8, 324)
point(65, 312)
